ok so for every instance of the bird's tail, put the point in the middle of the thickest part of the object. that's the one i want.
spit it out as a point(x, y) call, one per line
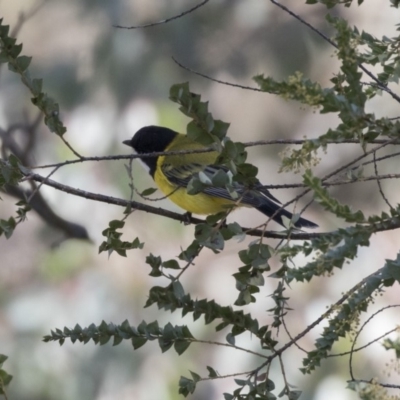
point(274, 211)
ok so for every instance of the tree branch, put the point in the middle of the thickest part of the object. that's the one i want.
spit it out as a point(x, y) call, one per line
point(164, 21)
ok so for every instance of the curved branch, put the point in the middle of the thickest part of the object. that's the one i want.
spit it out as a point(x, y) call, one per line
point(385, 385)
point(164, 21)
point(358, 333)
point(216, 80)
point(345, 353)
point(379, 83)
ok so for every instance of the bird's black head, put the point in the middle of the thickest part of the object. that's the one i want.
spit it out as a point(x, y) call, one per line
point(151, 139)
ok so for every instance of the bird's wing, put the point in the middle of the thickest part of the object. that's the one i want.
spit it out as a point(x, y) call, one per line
point(182, 174)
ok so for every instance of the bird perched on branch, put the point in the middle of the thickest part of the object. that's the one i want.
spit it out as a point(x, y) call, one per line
point(173, 173)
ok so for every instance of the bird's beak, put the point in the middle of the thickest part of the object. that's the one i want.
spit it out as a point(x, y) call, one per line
point(127, 142)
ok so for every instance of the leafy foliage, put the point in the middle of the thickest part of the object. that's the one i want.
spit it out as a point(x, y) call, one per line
point(114, 243)
point(390, 344)
point(178, 336)
point(10, 175)
point(10, 54)
point(5, 378)
point(357, 302)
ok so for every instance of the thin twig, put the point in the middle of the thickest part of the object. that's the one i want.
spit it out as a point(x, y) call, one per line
point(387, 156)
point(331, 309)
point(71, 148)
point(345, 353)
point(25, 16)
point(287, 388)
point(346, 166)
point(188, 264)
point(37, 188)
point(380, 84)
point(255, 89)
point(164, 21)
point(230, 346)
point(210, 378)
point(385, 385)
point(378, 181)
point(338, 170)
point(358, 333)
point(290, 335)
point(208, 150)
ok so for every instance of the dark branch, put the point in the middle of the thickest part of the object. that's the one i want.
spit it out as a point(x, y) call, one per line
point(235, 85)
point(164, 21)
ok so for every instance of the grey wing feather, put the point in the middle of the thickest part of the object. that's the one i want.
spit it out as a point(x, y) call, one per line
point(181, 176)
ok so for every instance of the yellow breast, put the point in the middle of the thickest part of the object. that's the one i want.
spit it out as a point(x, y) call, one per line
point(199, 203)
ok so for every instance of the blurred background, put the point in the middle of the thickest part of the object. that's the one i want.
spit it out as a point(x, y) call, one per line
point(109, 82)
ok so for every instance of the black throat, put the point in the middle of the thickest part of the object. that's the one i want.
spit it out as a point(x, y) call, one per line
point(151, 139)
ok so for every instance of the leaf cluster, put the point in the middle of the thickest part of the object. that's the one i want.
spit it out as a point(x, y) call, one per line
point(10, 53)
point(114, 242)
point(10, 175)
point(357, 302)
point(5, 377)
point(177, 336)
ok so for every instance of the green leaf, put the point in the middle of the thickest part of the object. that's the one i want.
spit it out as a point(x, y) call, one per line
point(195, 376)
point(209, 237)
point(3, 358)
point(390, 344)
point(294, 394)
point(153, 261)
point(37, 85)
point(195, 186)
point(148, 192)
point(203, 128)
point(186, 386)
point(171, 264)
point(23, 62)
point(196, 133)
point(179, 292)
point(191, 252)
point(5, 378)
point(181, 346)
point(116, 224)
point(211, 372)
point(138, 342)
point(327, 201)
point(220, 129)
point(221, 179)
point(7, 227)
point(230, 339)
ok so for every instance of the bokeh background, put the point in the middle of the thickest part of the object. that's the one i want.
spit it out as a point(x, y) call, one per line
point(109, 82)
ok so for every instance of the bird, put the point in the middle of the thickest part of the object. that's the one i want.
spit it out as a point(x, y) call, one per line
point(172, 174)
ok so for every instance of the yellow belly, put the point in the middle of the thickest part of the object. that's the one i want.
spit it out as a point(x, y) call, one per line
point(197, 204)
